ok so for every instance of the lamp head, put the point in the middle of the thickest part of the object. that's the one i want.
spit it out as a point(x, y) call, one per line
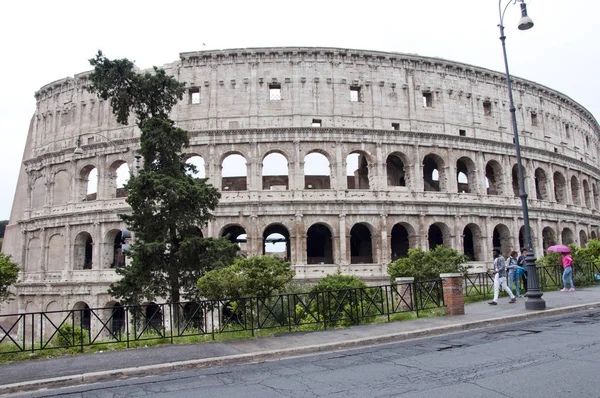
point(525, 22)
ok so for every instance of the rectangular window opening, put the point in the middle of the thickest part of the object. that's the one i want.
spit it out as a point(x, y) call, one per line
point(487, 108)
point(316, 123)
point(462, 132)
point(567, 131)
point(427, 100)
point(396, 126)
point(194, 94)
point(355, 94)
point(534, 119)
point(275, 92)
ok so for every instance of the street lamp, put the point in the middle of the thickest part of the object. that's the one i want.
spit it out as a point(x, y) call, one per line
point(534, 295)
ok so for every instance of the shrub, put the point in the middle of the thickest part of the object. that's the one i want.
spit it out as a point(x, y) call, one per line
point(428, 265)
point(69, 336)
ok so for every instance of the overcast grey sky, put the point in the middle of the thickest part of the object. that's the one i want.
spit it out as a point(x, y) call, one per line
point(43, 41)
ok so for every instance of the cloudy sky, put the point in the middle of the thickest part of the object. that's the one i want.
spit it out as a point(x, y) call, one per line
point(43, 41)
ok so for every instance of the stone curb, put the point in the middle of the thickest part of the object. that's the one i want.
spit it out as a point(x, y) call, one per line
point(92, 377)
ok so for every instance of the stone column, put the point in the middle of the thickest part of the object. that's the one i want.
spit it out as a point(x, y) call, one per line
point(422, 232)
point(343, 257)
point(384, 252)
point(452, 285)
point(405, 287)
point(300, 241)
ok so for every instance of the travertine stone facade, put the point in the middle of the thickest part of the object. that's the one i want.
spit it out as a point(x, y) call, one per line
point(428, 141)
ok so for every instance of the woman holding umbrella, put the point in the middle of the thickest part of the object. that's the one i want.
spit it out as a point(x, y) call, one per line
point(567, 263)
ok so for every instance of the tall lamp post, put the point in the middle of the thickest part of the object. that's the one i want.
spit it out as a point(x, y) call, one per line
point(534, 295)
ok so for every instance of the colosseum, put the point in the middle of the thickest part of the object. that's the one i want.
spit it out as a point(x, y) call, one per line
point(336, 159)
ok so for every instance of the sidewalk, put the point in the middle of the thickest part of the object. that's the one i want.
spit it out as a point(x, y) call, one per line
point(89, 368)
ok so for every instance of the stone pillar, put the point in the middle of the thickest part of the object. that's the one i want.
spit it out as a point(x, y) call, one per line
point(384, 252)
point(405, 293)
point(423, 232)
point(343, 258)
point(452, 285)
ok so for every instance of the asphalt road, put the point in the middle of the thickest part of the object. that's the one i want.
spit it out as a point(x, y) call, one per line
point(550, 357)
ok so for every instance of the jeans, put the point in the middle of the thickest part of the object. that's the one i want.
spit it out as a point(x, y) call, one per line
point(513, 278)
point(501, 282)
point(567, 276)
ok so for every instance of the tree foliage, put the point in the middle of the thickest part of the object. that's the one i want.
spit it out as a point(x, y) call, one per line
point(9, 273)
point(423, 265)
point(168, 205)
point(247, 277)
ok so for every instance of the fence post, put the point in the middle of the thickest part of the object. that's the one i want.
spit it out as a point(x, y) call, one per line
point(405, 301)
point(452, 286)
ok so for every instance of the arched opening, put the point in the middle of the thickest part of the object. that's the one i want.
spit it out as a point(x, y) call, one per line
point(541, 185)
point(237, 235)
point(465, 175)
point(361, 246)
point(82, 315)
point(117, 176)
point(153, 317)
point(56, 253)
point(400, 242)
point(119, 247)
point(501, 239)
point(559, 188)
point(586, 194)
point(493, 177)
point(316, 171)
point(575, 191)
point(89, 182)
point(319, 248)
point(198, 166)
point(34, 255)
point(193, 316)
point(61, 189)
point(433, 173)
point(566, 236)
point(472, 242)
point(357, 171)
point(435, 235)
point(548, 238)
point(117, 319)
point(515, 180)
point(396, 173)
point(83, 251)
point(583, 239)
point(593, 235)
point(235, 172)
point(275, 172)
point(276, 241)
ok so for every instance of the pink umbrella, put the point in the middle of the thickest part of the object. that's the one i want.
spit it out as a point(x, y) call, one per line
point(559, 249)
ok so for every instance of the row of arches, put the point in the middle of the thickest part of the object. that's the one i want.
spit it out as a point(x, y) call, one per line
point(320, 243)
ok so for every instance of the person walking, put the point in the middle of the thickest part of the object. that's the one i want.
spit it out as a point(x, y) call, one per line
point(567, 263)
point(500, 279)
point(511, 266)
point(522, 269)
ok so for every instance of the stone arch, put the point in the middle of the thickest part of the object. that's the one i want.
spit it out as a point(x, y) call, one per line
point(275, 173)
point(82, 315)
point(193, 316)
point(88, 182)
point(56, 253)
point(153, 317)
point(541, 185)
point(434, 174)
point(83, 251)
point(548, 238)
point(396, 169)
point(593, 235)
point(567, 237)
point(276, 241)
point(493, 177)
point(319, 244)
point(515, 180)
point(53, 318)
point(237, 235)
point(38, 193)
point(361, 244)
point(234, 174)
point(317, 171)
point(472, 242)
point(357, 170)
point(112, 249)
point(438, 234)
point(501, 239)
point(402, 239)
point(198, 164)
point(560, 188)
point(466, 175)
point(575, 195)
point(34, 255)
point(583, 238)
point(587, 194)
point(61, 188)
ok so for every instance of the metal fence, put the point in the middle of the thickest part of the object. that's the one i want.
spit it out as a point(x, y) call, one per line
point(166, 322)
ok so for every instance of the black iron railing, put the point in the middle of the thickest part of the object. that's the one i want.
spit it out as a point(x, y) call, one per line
point(167, 322)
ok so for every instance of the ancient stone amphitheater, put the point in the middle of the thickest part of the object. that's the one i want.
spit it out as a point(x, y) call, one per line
point(336, 159)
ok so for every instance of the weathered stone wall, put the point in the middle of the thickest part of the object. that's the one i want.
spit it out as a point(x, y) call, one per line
point(436, 157)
